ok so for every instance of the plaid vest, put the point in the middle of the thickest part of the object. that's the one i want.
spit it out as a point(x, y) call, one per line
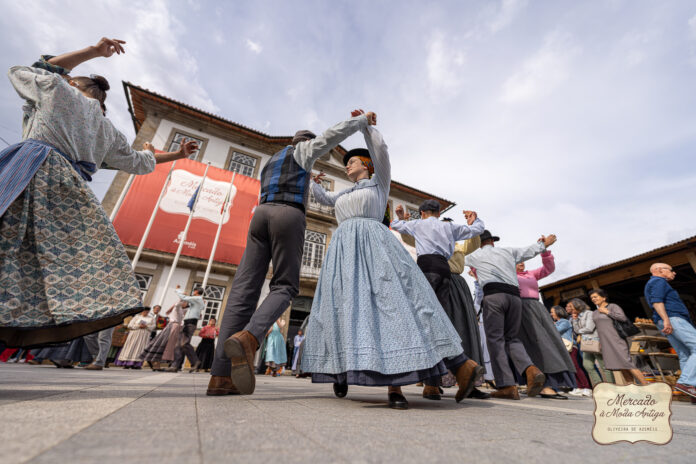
point(283, 180)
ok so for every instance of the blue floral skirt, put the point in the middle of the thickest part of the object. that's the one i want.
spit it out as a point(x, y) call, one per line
point(64, 272)
point(375, 319)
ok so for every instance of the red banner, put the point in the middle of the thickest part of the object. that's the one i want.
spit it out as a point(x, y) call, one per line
point(167, 230)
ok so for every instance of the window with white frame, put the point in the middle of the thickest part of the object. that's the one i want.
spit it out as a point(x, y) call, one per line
point(144, 281)
point(179, 137)
point(242, 164)
point(313, 252)
point(414, 213)
point(213, 295)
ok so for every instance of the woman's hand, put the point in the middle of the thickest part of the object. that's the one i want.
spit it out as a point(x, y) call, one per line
point(187, 148)
point(470, 216)
point(371, 117)
point(548, 240)
point(107, 47)
point(319, 177)
point(603, 309)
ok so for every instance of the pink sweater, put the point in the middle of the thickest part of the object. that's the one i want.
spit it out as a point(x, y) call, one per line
point(528, 280)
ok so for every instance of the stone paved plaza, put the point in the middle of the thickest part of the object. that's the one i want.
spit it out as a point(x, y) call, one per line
point(54, 415)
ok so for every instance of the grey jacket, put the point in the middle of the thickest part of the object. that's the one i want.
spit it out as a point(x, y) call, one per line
point(584, 325)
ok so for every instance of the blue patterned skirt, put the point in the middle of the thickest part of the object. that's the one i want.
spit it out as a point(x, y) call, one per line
point(375, 319)
point(64, 272)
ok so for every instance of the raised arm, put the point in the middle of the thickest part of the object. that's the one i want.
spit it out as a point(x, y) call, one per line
point(321, 195)
point(547, 266)
point(104, 48)
point(465, 231)
point(380, 158)
point(308, 151)
point(401, 224)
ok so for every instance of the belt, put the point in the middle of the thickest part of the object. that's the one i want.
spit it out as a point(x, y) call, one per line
point(498, 287)
point(434, 263)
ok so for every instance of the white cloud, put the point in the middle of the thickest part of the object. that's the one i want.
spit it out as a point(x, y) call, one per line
point(253, 46)
point(444, 65)
point(543, 72)
point(692, 27)
point(505, 14)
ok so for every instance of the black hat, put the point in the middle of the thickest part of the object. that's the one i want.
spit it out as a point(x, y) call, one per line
point(430, 205)
point(356, 152)
point(302, 135)
point(486, 235)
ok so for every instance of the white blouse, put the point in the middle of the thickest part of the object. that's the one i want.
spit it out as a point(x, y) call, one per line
point(368, 197)
point(58, 113)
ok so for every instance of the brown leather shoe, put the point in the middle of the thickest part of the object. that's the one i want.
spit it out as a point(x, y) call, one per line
point(94, 367)
point(467, 375)
point(240, 349)
point(431, 393)
point(535, 380)
point(220, 386)
point(507, 393)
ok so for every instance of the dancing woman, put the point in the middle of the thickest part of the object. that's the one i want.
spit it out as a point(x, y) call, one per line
point(63, 270)
point(539, 335)
point(375, 320)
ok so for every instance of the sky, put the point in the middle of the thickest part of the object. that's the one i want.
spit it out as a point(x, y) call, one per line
point(565, 117)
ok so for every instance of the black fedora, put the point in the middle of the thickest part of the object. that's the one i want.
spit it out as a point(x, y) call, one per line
point(486, 235)
point(356, 152)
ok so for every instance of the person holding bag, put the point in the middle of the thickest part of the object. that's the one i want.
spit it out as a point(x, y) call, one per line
point(584, 326)
point(614, 348)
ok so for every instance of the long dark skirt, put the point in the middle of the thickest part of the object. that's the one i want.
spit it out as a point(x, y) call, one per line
point(544, 345)
point(206, 352)
point(463, 317)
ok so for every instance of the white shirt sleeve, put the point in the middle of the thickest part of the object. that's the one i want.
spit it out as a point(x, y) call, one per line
point(380, 158)
point(122, 156)
point(465, 231)
point(307, 152)
point(321, 195)
point(523, 254)
point(405, 227)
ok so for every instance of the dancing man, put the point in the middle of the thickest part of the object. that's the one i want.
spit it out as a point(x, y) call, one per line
point(276, 233)
point(435, 242)
point(502, 312)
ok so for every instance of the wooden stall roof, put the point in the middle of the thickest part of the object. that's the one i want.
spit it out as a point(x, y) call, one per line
point(685, 247)
point(136, 96)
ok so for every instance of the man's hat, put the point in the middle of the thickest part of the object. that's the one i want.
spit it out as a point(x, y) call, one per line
point(486, 235)
point(430, 205)
point(302, 135)
point(356, 152)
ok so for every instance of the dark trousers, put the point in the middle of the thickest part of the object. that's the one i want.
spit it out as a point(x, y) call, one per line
point(502, 316)
point(184, 348)
point(276, 233)
point(439, 280)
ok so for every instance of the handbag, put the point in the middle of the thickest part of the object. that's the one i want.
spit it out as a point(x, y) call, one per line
point(625, 328)
point(568, 344)
point(590, 345)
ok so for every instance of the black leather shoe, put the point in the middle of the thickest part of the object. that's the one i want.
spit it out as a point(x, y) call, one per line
point(397, 401)
point(555, 396)
point(340, 389)
point(478, 394)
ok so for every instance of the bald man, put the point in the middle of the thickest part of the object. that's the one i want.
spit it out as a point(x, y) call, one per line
point(672, 317)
